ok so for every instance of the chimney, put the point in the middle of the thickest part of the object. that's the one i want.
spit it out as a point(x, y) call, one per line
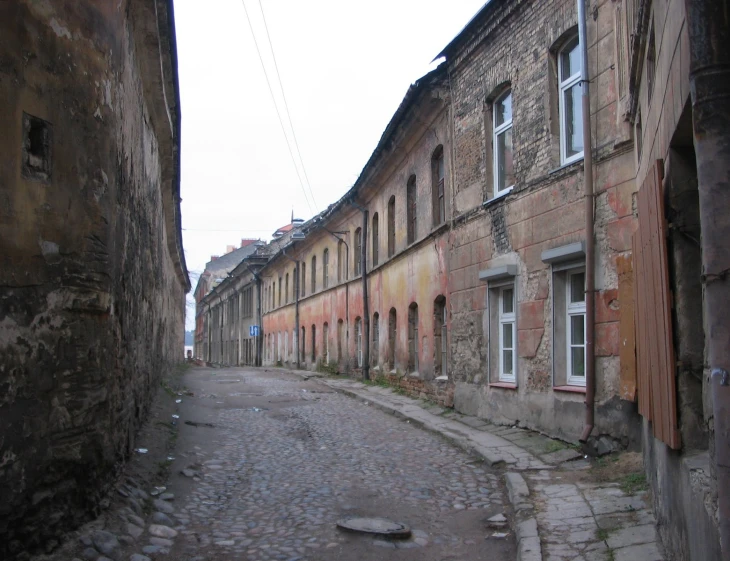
point(213, 257)
point(230, 248)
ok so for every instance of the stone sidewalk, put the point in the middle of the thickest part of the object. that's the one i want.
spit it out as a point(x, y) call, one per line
point(558, 516)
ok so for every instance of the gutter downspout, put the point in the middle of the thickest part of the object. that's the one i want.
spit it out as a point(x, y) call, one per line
point(708, 27)
point(590, 257)
point(365, 307)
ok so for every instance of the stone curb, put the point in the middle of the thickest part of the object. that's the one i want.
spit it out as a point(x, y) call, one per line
point(528, 539)
point(494, 460)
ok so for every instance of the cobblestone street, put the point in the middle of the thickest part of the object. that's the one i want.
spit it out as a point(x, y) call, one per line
point(266, 463)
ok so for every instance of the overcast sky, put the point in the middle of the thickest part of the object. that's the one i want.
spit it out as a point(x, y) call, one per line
point(345, 66)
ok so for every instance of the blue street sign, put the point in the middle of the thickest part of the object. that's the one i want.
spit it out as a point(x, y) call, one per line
point(253, 330)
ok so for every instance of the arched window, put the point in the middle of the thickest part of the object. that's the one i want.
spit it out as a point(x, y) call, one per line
point(391, 226)
point(286, 291)
point(279, 291)
point(302, 346)
point(392, 335)
point(325, 268)
point(358, 340)
point(504, 177)
point(341, 261)
point(571, 107)
point(313, 274)
point(413, 337)
point(438, 196)
point(358, 251)
point(440, 340)
point(340, 338)
point(375, 346)
point(314, 344)
point(326, 343)
point(303, 284)
point(411, 209)
point(376, 239)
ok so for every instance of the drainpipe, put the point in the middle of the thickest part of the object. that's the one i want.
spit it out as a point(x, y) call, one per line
point(590, 258)
point(296, 302)
point(708, 26)
point(365, 307)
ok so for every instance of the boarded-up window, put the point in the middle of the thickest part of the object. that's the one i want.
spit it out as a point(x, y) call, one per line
point(653, 317)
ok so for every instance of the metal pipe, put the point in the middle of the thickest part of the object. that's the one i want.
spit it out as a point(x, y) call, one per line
point(590, 258)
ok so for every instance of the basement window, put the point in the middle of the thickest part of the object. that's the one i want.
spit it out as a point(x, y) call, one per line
point(37, 137)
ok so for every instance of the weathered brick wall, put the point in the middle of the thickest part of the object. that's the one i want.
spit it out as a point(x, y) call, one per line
point(515, 45)
point(92, 279)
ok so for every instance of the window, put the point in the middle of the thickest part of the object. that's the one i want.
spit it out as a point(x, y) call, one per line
point(576, 327)
point(341, 261)
point(437, 186)
point(358, 250)
point(273, 295)
point(325, 268)
point(391, 338)
point(302, 346)
point(391, 226)
point(374, 348)
point(340, 338)
point(411, 208)
point(358, 340)
point(413, 337)
point(571, 108)
point(37, 148)
point(314, 344)
point(303, 284)
point(286, 291)
point(313, 274)
point(375, 239)
point(279, 291)
point(326, 343)
point(506, 303)
point(650, 65)
point(294, 288)
point(440, 340)
point(504, 177)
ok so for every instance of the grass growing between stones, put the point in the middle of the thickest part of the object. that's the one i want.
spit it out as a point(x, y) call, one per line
point(633, 483)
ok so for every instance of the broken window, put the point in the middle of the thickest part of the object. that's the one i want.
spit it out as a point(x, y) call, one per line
point(37, 137)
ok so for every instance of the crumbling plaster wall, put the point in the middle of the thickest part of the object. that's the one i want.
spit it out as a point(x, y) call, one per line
point(545, 210)
point(92, 278)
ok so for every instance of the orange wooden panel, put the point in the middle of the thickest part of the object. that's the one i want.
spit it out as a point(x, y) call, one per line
point(626, 330)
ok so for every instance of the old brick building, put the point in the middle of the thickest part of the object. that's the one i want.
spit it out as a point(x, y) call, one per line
point(92, 272)
point(392, 227)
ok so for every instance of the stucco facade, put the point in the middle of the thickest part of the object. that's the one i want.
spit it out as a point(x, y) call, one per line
point(92, 271)
point(531, 238)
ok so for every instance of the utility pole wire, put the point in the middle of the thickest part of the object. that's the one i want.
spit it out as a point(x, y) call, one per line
point(286, 106)
point(278, 114)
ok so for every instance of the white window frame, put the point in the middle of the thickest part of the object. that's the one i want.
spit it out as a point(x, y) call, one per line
point(564, 85)
point(499, 130)
point(573, 309)
point(507, 319)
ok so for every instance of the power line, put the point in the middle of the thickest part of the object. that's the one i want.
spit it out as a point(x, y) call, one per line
point(286, 105)
point(278, 114)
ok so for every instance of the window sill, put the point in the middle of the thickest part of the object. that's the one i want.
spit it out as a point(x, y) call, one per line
point(566, 165)
point(503, 385)
point(496, 198)
point(570, 389)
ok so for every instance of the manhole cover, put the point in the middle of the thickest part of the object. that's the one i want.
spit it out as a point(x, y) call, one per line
point(380, 526)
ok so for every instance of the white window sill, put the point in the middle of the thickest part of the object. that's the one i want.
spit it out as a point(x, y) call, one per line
point(501, 195)
point(441, 379)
